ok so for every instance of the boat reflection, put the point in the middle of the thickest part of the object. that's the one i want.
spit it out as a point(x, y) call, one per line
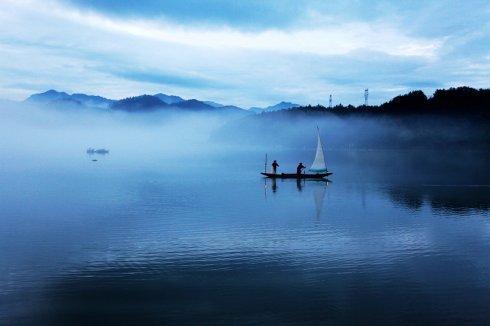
point(274, 185)
point(299, 186)
point(316, 187)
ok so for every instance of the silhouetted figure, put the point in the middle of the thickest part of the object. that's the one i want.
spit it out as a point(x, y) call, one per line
point(300, 168)
point(274, 166)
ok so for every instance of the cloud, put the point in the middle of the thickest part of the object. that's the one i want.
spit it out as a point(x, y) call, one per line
point(335, 39)
point(251, 14)
point(162, 78)
point(120, 51)
point(418, 84)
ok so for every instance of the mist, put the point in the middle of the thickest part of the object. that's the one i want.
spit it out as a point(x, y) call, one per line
point(27, 130)
point(42, 133)
point(401, 151)
point(361, 130)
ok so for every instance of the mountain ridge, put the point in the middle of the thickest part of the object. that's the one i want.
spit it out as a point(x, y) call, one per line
point(169, 99)
point(281, 106)
point(55, 97)
point(144, 103)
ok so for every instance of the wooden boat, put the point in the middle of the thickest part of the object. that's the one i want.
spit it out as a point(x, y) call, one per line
point(318, 169)
point(296, 176)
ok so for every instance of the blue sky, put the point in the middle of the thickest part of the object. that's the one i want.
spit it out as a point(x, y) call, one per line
point(243, 52)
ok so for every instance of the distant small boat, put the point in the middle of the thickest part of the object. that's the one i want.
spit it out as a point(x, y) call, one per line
point(102, 151)
point(319, 167)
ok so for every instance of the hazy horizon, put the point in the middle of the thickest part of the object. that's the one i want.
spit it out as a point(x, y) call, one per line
point(190, 98)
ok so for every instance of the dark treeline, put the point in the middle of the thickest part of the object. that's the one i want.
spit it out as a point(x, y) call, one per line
point(452, 118)
point(452, 101)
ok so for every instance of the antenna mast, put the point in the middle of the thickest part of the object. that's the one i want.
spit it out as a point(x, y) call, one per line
point(330, 101)
point(366, 95)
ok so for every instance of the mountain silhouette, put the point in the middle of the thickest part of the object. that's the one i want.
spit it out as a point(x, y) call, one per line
point(460, 100)
point(281, 106)
point(56, 98)
point(277, 107)
point(212, 103)
point(139, 104)
point(194, 104)
point(169, 99)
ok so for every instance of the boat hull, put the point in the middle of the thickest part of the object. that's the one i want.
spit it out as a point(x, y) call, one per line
point(296, 176)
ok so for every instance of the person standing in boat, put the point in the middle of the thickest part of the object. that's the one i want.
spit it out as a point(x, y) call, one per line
point(300, 168)
point(274, 167)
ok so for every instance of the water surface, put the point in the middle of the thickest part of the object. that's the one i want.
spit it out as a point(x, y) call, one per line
point(395, 237)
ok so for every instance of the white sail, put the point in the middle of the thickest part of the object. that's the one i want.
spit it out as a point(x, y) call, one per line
point(319, 165)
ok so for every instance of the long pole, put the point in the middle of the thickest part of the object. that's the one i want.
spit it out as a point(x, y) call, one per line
point(265, 164)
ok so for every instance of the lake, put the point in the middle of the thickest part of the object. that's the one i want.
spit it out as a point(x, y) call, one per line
point(153, 238)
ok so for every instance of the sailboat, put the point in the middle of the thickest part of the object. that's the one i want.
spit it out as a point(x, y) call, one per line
point(318, 169)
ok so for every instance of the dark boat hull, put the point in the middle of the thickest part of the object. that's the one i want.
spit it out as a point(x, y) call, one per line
point(296, 176)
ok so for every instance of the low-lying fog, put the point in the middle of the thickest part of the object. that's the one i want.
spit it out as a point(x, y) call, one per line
point(43, 133)
point(32, 135)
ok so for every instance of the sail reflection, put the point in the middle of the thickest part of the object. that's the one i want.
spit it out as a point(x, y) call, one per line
point(319, 197)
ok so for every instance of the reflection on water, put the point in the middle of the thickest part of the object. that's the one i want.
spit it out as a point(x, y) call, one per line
point(319, 196)
point(319, 188)
point(443, 198)
point(120, 242)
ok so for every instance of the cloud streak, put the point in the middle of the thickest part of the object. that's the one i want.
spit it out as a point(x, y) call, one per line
point(74, 47)
point(327, 40)
point(162, 78)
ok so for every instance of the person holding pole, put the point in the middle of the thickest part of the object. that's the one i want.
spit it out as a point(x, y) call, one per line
point(274, 167)
point(300, 168)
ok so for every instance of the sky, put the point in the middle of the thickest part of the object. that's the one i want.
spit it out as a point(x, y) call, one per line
point(246, 53)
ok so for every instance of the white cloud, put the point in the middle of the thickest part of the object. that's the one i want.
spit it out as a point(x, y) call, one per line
point(48, 44)
point(323, 40)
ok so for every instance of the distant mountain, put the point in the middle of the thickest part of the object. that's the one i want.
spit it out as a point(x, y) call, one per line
point(281, 106)
point(143, 103)
point(47, 96)
point(194, 105)
point(140, 103)
point(256, 110)
point(229, 108)
point(205, 106)
point(54, 97)
point(92, 100)
point(233, 108)
point(276, 107)
point(169, 99)
point(216, 105)
point(67, 101)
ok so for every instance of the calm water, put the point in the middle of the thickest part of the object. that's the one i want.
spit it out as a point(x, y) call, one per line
point(395, 237)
